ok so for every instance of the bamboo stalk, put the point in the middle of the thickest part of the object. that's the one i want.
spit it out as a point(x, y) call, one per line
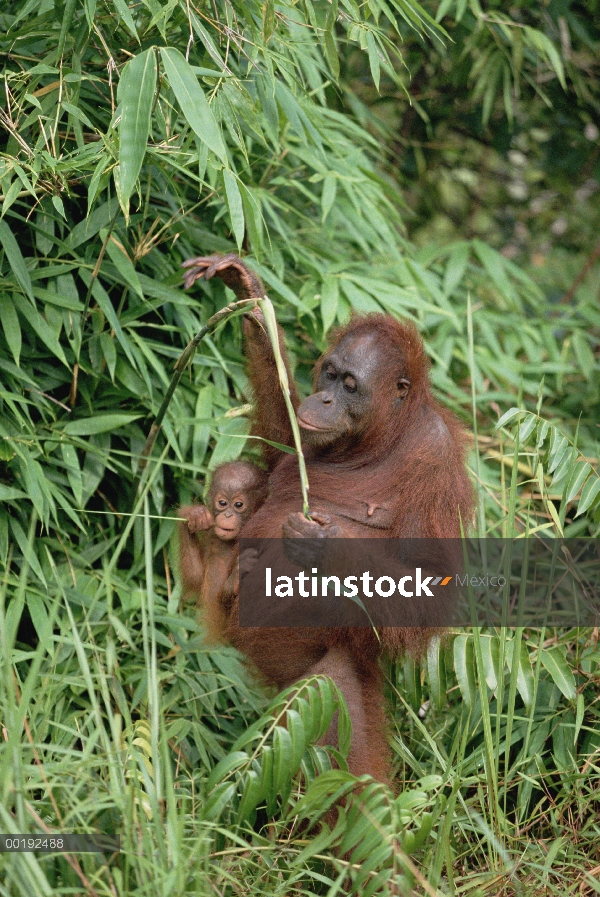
point(268, 311)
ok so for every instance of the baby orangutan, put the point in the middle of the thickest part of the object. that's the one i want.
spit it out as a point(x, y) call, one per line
point(208, 540)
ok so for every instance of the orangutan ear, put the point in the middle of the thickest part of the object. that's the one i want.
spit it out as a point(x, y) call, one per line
point(403, 387)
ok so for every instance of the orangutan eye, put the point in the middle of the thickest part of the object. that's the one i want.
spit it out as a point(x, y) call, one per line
point(239, 504)
point(222, 503)
point(331, 375)
point(350, 384)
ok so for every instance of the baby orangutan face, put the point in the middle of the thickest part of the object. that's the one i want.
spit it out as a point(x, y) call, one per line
point(230, 511)
point(236, 492)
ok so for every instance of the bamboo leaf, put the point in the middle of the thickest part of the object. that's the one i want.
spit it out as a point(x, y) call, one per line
point(493, 263)
point(330, 294)
point(125, 13)
point(101, 423)
point(40, 326)
point(268, 20)
point(118, 256)
point(10, 324)
point(455, 268)
point(235, 206)
point(192, 101)
point(328, 194)
point(374, 62)
point(15, 259)
point(136, 93)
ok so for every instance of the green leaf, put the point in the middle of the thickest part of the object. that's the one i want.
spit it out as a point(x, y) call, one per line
point(412, 682)
point(125, 13)
point(493, 263)
point(543, 429)
point(436, 672)
point(230, 442)
point(578, 478)
point(455, 268)
point(374, 61)
point(589, 495)
point(579, 716)
point(225, 767)
point(331, 51)
point(464, 667)
point(268, 20)
point(101, 423)
point(558, 451)
point(235, 206)
point(10, 324)
point(295, 727)
point(524, 672)
point(253, 217)
point(73, 472)
point(9, 493)
point(555, 663)
point(41, 327)
point(330, 295)
point(15, 259)
point(26, 549)
point(59, 206)
point(118, 256)
point(490, 655)
point(218, 800)
point(328, 194)
point(136, 93)
point(507, 417)
point(584, 355)
point(39, 618)
point(266, 776)
point(251, 795)
point(538, 40)
point(282, 758)
point(192, 101)
point(566, 468)
point(527, 427)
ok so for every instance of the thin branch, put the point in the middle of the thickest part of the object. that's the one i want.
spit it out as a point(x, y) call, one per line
point(180, 366)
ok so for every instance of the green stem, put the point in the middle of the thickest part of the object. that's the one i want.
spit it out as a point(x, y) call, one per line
point(180, 366)
point(271, 323)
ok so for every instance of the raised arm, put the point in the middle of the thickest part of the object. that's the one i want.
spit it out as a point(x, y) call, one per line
point(196, 521)
point(270, 417)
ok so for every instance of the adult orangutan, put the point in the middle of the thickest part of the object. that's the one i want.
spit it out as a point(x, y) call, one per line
point(383, 460)
point(209, 537)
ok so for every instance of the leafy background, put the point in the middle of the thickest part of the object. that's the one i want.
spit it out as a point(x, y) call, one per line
point(437, 162)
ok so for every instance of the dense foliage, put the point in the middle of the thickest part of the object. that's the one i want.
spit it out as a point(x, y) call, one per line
point(138, 135)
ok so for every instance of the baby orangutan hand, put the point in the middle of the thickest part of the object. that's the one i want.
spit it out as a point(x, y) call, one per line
point(199, 518)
